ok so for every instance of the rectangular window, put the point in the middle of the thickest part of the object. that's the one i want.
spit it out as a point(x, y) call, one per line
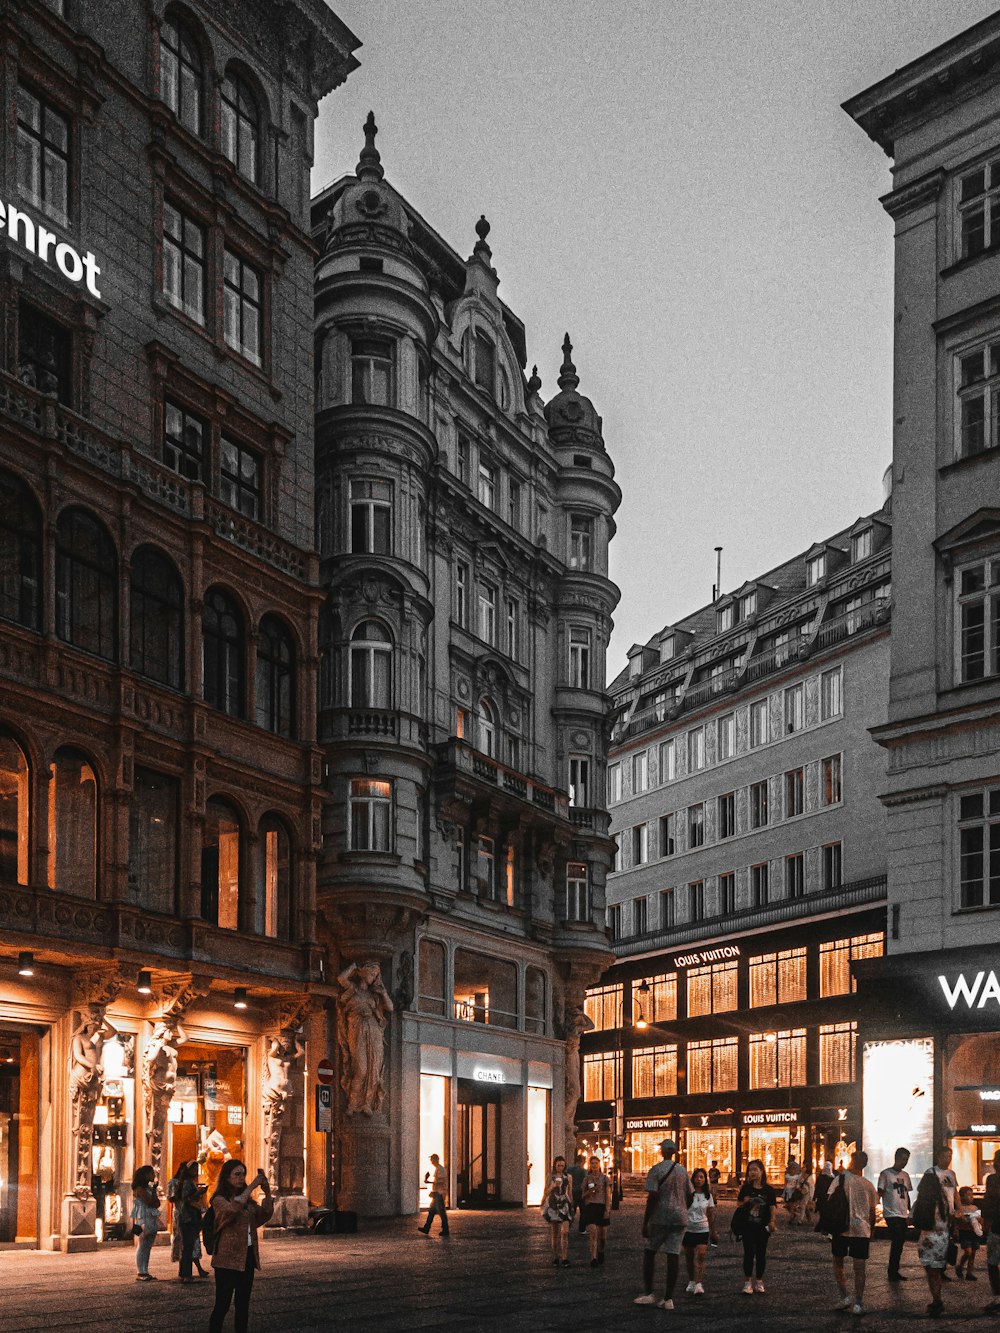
point(748, 605)
point(725, 617)
point(514, 505)
point(668, 761)
point(837, 1046)
point(668, 909)
point(654, 1072)
point(758, 804)
point(579, 659)
point(832, 865)
point(795, 792)
point(831, 703)
point(487, 485)
point(239, 478)
point(43, 154)
point(462, 459)
point(614, 783)
point(791, 975)
point(795, 876)
point(795, 708)
point(760, 884)
point(371, 371)
point(763, 974)
point(183, 263)
point(579, 781)
point(696, 900)
point(639, 916)
point(602, 1076)
point(371, 517)
point(727, 893)
point(831, 792)
point(486, 621)
point(241, 285)
point(727, 815)
point(371, 810)
point(861, 545)
point(711, 989)
point(836, 956)
point(667, 835)
point(712, 1065)
point(979, 210)
point(184, 439)
point(727, 736)
point(603, 1006)
point(486, 364)
point(486, 866)
point(513, 621)
point(581, 530)
point(979, 848)
point(815, 569)
point(462, 594)
point(758, 723)
point(696, 825)
point(44, 353)
point(577, 891)
point(778, 1059)
point(658, 1003)
point(696, 749)
point(640, 772)
point(639, 845)
point(978, 401)
point(979, 615)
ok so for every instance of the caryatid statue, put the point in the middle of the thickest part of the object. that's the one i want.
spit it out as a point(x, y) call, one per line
point(86, 1083)
point(283, 1054)
point(364, 1007)
point(577, 1022)
point(159, 1075)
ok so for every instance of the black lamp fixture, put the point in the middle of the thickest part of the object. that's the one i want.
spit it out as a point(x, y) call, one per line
point(640, 1021)
point(25, 964)
point(240, 997)
point(144, 983)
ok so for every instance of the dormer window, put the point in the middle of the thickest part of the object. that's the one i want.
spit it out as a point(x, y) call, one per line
point(725, 617)
point(666, 648)
point(861, 545)
point(635, 666)
point(748, 605)
point(371, 371)
point(816, 569)
point(485, 372)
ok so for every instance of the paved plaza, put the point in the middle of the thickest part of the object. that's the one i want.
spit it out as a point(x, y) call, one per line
point(493, 1274)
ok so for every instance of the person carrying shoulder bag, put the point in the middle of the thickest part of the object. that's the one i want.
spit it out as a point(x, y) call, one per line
point(235, 1254)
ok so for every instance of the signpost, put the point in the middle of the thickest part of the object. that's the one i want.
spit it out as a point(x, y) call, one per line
point(324, 1109)
point(324, 1071)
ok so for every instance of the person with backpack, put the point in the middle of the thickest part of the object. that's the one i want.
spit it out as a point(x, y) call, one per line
point(235, 1252)
point(932, 1215)
point(664, 1221)
point(753, 1223)
point(850, 1212)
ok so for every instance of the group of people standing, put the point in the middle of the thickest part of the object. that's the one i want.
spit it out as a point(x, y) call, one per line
point(578, 1190)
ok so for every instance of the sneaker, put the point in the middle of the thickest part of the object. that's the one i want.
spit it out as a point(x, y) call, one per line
point(758, 1286)
point(699, 1290)
point(647, 1299)
point(748, 1288)
point(666, 1305)
point(857, 1308)
point(844, 1303)
point(689, 1289)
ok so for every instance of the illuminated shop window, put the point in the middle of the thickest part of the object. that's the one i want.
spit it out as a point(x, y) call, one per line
point(778, 1059)
point(659, 1003)
point(220, 865)
point(156, 618)
point(778, 978)
point(654, 1072)
point(14, 821)
point(602, 1076)
point(603, 1006)
point(20, 553)
point(837, 1048)
point(711, 989)
point(836, 956)
point(712, 1065)
point(485, 989)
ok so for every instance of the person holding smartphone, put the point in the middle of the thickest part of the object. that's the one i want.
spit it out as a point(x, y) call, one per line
point(235, 1255)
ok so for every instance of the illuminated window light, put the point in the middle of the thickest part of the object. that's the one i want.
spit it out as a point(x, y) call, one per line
point(25, 964)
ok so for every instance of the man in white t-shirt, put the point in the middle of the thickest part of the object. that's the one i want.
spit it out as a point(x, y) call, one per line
point(855, 1241)
point(667, 1188)
point(947, 1177)
point(894, 1189)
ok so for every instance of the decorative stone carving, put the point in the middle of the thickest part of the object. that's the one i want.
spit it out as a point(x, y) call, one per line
point(363, 1009)
point(86, 1083)
point(159, 1074)
point(283, 1054)
point(577, 1023)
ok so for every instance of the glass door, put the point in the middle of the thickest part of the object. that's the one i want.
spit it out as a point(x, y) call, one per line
point(478, 1146)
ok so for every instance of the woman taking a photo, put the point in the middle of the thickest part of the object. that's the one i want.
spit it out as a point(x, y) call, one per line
point(557, 1209)
point(235, 1254)
point(700, 1230)
point(596, 1215)
point(759, 1201)
point(145, 1220)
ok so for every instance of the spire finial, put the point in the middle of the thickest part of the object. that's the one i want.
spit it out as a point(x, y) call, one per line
point(568, 378)
point(369, 163)
point(482, 231)
point(534, 383)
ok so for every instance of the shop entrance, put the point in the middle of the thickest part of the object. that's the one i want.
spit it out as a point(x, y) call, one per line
point(702, 1147)
point(770, 1146)
point(478, 1145)
point(208, 1107)
point(18, 1137)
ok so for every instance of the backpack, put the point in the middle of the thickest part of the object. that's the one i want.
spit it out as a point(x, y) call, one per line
point(834, 1210)
point(208, 1229)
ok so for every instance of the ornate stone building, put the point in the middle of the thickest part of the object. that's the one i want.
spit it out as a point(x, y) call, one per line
point(463, 530)
point(160, 786)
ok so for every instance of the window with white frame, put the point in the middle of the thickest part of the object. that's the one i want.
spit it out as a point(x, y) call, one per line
point(513, 623)
point(816, 569)
point(372, 361)
point(487, 485)
point(748, 604)
point(760, 884)
point(861, 545)
point(639, 916)
point(462, 594)
point(242, 306)
point(795, 875)
point(727, 736)
point(831, 696)
point(795, 708)
point(577, 891)
point(614, 783)
point(725, 617)
point(581, 532)
point(727, 893)
point(371, 666)
point(758, 804)
point(486, 865)
point(668, 909)
point(726, 815)
point(579, 658)
point(371, 815)
point(668, 843)
point(759, 731)
point(579, 780)
point(977, 400)
point(43, 154)
point(696, 825)
point(979, 848)
point(639, 844)
point(486, 620)
point(979, 620)
point(486, 728)
point(696, 749)
point(371, 516)
point(795, 792)
point(666, 648)
point(668, 761)
point(832, 860)
point(184, 262)
point(640, 772)
point(830, 788)
point(979, 210)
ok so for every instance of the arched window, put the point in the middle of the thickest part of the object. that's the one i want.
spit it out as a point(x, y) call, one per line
point(486, 728)
point(157, 619)
point(72, 824)
point(220, 865)
point(181, 73)
point(222, 655)
point(14, 837)
point(274, 892)
point(371, 666)
point(86, 584)
point(20, 553)
point(276, 677)
point(240, 126)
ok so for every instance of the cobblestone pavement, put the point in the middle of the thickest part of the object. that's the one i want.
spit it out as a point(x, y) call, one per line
point(493, 1274)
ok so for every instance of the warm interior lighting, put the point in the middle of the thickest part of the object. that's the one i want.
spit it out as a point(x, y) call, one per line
point(240, 997)
point(771, 1037)
point(144, 984)
point(25, 964)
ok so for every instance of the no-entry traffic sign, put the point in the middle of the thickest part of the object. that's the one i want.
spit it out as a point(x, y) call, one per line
point(324, 1071)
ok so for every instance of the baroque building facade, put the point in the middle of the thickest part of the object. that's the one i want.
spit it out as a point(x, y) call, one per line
point(463, 529)
point(931, 1055)
point(160, 785)
point(750, 869)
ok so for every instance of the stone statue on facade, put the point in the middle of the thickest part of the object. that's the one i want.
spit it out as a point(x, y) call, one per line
point(159, 1075)
point(577, 1023)
point(364, 1006)
point(283, 1054)
point(86, 1083)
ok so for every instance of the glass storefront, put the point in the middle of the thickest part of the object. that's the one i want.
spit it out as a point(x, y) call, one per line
point(19, 1121)
point(538, 1143)
point(971, 1085)
point(772, 1145)
point(113, 1146)
point(208, 1111)
point(702, 1147)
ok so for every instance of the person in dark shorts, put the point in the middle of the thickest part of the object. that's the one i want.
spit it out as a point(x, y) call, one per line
point(700, 1230)
point(854, 1242)
point(596, 1211)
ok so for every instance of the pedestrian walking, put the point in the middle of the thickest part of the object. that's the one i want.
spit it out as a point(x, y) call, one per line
point(236, 1254)
point(991, 1226)
point(968, 1233)
point(557, 1209)
point(894, 1189)
point(437, 1179)
point(145, 1220)
point(792, 1173)
point(854, 1240)
point(596, 1213)
point(714, 1175)
point(663, 1224)
point(756, 1203)
point(799, 1204)
point(700, 1230)
point(823, 1182)
point(578, 1174)
point(932, 1215)
point(189, 1207)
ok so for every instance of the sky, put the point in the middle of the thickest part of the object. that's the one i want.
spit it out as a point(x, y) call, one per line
point(676, 185)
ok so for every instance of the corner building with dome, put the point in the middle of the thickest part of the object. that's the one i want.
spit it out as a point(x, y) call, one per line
point(463, 527)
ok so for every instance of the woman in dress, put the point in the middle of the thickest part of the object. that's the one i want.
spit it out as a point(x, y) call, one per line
point(596, 1206)
point(932, 1247)
point(761, 1202)
point(557, 1209)
point(699, 1231)
point(145, 1217)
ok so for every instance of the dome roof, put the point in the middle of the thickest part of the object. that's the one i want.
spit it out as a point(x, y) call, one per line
point(572, 417)
point(369, 208)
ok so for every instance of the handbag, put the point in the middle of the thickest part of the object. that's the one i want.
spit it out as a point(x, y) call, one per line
point(136, 1229)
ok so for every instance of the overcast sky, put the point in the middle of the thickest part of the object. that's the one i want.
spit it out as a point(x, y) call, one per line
point(675, 184)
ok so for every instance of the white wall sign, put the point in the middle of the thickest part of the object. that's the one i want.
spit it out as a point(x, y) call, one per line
point(707, 956)
point(975, 995)
point(489, 1076)
point(770, 1117)
point(47, 247)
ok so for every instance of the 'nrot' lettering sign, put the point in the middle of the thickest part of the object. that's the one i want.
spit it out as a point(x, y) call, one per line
point(48, 247)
